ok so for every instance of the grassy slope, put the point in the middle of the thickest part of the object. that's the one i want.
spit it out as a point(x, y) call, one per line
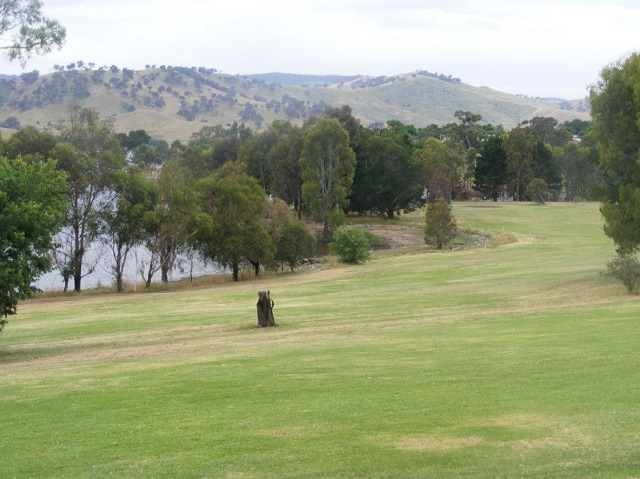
point(516, 361)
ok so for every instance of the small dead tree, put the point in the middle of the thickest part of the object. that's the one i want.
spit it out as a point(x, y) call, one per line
point(265, 310)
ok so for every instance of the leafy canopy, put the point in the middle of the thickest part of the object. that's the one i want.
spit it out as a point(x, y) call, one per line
point(30, 32)
point(615, 103)
point(32, 208)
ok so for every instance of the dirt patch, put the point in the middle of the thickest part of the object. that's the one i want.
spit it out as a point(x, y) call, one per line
point(392, 237)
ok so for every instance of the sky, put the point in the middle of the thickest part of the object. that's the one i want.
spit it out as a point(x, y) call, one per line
point(546, 48)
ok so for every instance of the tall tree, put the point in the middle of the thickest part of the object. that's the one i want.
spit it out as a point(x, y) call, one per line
point(285, 157)
point(388, 179)
point(125, 218)
point(491, 168)
point(439, 163)
point(32, 207)
point(615, 107)
point(31, 33)
point(231, 230)
point(172, 223)
point(519, 147)
point(91, 156)
point(468, 132)
point(255, 154)
point(327, 166)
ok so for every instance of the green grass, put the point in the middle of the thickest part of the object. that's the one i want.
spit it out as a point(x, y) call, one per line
point(514, 361)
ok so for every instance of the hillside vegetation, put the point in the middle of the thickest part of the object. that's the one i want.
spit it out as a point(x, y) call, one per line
point(174, 102)
point(515, 360)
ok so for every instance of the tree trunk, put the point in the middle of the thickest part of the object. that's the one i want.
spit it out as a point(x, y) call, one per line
point(265, 310)
point(235, 268)
point(256, 267)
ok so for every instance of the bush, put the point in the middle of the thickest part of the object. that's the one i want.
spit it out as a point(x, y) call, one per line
point(351, 244)
point(626, 268)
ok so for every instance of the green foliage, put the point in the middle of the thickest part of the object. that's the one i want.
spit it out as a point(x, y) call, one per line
point(491, 167)
point(537, 190)
point(33, 33)
point(32, 208)
point(90, 154)
point(327, 167)
point(438, 161)
point(231, 228)
point(125, 218)
point(615, 102)
point(30, 144)
point(388, 179)
point(440, 224)
point(295, 243)
point(351, 244)
point(337, 218)
point(626, 268)
point(519, 147)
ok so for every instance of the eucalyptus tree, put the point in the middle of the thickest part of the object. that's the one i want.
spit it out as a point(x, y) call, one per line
point(230, 229)
point(125, 218)
point(327, 167)
point(90, 154)
point(25, 31)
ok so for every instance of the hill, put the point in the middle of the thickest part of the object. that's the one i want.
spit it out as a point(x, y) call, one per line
point(174, 102)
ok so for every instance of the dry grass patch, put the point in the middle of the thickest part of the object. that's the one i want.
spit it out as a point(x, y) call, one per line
point(435, 444)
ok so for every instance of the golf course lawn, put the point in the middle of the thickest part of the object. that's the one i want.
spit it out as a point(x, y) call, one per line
point(517, 360)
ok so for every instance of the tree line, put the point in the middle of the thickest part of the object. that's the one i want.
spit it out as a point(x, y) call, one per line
point(238, 197)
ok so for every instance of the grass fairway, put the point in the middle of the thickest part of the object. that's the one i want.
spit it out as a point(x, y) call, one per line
point(512, 361)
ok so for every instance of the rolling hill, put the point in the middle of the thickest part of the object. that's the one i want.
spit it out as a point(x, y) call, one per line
point(174, 102)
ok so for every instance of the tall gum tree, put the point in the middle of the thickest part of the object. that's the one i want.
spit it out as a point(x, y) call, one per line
point(91, 156)
point(327, 166)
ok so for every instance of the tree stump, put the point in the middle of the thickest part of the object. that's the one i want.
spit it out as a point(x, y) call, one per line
point(265, 310)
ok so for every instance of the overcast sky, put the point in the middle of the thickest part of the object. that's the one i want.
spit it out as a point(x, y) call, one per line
point(534, 47)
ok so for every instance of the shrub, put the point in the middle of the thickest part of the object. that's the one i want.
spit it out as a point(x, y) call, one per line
point(626, 268)
point(351, 244)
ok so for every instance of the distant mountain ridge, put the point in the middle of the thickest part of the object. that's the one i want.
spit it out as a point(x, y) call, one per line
point(174, 102)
